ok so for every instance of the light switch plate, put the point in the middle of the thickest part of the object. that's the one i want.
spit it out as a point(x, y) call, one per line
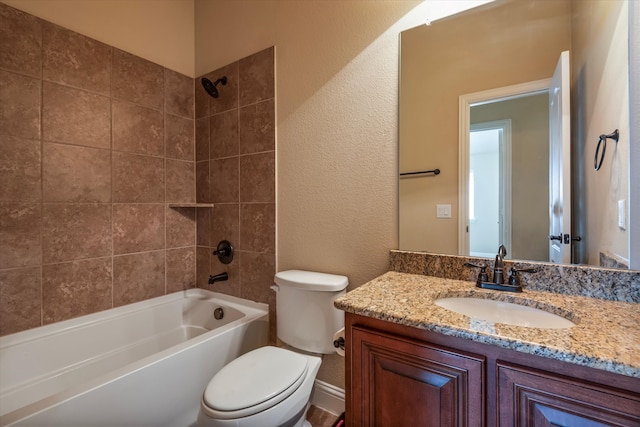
point(443, 211)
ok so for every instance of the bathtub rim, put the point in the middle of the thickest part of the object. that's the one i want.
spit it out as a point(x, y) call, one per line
point(100, 316)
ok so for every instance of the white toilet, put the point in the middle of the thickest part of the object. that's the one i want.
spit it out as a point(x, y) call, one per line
point(271, 386)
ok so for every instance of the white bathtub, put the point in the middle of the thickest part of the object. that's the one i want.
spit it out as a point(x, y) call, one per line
point(144, 364)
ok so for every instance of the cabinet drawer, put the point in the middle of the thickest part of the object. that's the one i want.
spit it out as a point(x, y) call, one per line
point(529, 397)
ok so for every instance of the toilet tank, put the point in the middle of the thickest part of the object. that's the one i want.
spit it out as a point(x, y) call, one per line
point(306, 316)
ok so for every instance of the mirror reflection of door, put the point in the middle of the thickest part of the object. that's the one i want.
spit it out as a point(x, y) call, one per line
point(559, 162)
point(527, 108)
point(489, 187)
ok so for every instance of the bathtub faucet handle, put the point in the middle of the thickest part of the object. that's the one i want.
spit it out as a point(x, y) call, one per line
point(224, 252)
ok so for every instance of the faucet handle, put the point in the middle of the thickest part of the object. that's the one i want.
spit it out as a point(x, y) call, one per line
point(513, 274)
point(224, 251)
point(470, 264)
point(482, 274)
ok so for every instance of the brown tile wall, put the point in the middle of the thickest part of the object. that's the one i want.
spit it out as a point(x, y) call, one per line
point(235, 170)
point(94, 143)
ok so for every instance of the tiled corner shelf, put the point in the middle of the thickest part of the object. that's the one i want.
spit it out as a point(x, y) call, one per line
point(190, 205)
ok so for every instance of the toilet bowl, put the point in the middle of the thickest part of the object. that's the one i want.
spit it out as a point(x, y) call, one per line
point(271, 386)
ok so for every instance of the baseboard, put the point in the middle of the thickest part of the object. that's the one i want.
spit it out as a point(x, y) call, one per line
point(328, 397)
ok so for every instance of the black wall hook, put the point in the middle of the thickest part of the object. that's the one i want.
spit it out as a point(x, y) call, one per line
point(602, 142)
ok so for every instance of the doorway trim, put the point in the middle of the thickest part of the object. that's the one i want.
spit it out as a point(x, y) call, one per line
point(465, 102)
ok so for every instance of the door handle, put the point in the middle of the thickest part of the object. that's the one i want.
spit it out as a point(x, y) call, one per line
point(566, 238)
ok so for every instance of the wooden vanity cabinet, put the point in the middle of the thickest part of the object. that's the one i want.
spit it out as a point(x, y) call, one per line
point(403, 376)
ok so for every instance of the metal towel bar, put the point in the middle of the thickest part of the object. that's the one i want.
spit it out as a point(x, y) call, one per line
point(410, 174)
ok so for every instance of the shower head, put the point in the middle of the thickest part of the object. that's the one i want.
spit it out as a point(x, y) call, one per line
point(210, 86)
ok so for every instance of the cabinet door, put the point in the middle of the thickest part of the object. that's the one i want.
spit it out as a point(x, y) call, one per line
point(399, 382)
point(534, 398)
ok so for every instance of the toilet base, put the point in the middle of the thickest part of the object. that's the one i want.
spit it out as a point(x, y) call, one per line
point(300, 420)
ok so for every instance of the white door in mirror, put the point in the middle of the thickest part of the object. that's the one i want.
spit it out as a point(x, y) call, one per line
point(560, 163)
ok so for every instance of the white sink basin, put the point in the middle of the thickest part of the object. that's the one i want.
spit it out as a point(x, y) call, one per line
point(504, 312)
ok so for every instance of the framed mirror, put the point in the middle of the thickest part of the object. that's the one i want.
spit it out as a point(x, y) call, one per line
point(503, 44)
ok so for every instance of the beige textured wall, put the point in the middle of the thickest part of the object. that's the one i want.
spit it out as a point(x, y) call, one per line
point(603, 88)
point(161, 31)
point(467, 54)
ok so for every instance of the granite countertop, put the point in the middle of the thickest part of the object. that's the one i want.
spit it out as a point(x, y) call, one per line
point(606, 335)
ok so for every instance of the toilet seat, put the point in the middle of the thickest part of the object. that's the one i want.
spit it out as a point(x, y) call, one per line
point(254, 382)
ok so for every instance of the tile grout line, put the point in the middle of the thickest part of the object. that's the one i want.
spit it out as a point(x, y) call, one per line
point(41, 266)
point(164, 144)
point(241, 281)
point(113, 278)
point(195, 186)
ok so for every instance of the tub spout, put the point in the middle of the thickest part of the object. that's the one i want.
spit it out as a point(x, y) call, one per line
point(218, 278)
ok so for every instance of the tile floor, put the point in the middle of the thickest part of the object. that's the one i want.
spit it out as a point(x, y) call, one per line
point(319, 418)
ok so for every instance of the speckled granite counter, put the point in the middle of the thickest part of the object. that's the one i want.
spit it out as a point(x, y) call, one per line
point(606, 335)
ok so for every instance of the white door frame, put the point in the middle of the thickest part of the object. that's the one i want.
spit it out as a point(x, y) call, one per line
point(634, 135)
point(465, 102)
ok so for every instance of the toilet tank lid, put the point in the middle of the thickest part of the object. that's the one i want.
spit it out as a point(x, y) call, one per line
point(312, 281)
